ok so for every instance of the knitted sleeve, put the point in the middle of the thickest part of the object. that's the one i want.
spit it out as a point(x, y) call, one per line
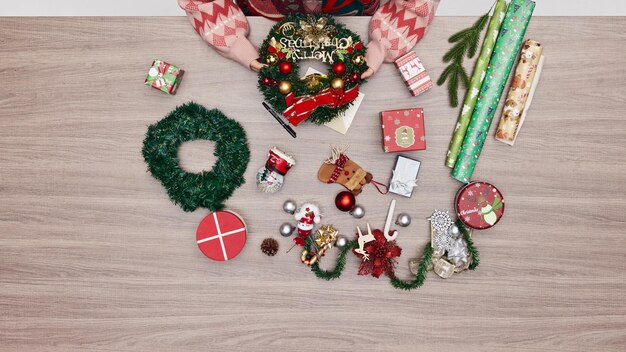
point(222, 24)
point(396, 27)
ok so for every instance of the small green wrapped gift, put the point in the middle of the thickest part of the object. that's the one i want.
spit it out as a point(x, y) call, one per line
point(164, 76)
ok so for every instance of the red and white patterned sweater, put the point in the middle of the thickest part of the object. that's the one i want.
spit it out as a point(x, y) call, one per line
point(395, 28)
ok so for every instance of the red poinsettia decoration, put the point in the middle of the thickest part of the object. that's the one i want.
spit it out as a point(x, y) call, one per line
point(381, 256)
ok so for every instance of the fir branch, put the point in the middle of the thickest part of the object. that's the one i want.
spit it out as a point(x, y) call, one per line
point(456, 53)
point(422, 268)
point(467, 41)
point(473, 251)
point(473, 37)
point(455, 74)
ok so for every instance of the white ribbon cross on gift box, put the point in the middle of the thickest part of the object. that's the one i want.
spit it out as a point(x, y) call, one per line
point(404, 185)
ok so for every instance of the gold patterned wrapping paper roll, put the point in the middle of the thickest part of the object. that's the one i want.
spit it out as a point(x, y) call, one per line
point(516, 102)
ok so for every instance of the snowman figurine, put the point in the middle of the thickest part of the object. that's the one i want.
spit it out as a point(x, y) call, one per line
point(269, 178)
point(307, 216)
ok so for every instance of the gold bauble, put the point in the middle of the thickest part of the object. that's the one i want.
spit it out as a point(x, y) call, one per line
point(337, 83)
point(284, 87)
point(358, 60)
point(271, 59)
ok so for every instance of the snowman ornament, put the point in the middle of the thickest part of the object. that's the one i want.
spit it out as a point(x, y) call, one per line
point(307, 216)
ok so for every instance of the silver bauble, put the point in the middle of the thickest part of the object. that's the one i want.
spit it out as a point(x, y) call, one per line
point(454, 231)
point(286, 229)
point(290, 206)
point(341, 242)
point(358, 212)
point(404, 220)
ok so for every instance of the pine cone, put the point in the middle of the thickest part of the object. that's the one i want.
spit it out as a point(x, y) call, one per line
point(269, 246)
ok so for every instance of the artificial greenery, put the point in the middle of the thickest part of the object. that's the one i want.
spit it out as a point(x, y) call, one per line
point(400, 284)
point(422, 268)
point(471, 249)
point(335, 273)
point(467, 42)
point(290, 28)
point(207, 189)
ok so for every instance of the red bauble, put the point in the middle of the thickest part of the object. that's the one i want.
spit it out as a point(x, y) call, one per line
point(266, 81)
point(345, 201)
point(339, 68)
point(285, 67)
point(354, 77)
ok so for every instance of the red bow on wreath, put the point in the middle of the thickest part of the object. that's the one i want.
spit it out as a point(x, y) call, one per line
point(273, 50)
point(299, 108)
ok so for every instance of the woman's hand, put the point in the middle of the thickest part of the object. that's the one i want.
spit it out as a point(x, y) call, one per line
point(367, 74)
point(256, 66)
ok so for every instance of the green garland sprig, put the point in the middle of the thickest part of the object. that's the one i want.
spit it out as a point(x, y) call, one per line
point(422, 269)
point(467, 41)
point(207, 189)
point(471, 249)
point(335, 273)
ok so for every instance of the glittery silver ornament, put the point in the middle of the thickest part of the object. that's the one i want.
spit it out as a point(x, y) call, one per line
point(454, 231)
point(403, 220)
point(341, 242)
point(286, 229)
point(440, 220)
point(443, 241)
point(290, 206)
point(358, 212)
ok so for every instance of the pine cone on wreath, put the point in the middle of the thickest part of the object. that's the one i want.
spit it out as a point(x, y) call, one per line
point(269, 246)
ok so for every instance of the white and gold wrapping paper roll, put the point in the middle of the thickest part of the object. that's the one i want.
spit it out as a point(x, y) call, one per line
point(522, 87)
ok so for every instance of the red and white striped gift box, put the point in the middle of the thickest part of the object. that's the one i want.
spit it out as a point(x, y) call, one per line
point(414, 73)
point(221, 235)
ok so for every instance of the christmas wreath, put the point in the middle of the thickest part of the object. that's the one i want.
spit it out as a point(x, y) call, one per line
point(316, 97)
point(207, 189)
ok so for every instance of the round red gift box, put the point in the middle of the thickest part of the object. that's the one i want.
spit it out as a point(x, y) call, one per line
point(479, 205)
point(221, 235)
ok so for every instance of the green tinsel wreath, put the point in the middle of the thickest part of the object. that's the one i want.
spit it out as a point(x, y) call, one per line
point(207, 189)
point(310, 35)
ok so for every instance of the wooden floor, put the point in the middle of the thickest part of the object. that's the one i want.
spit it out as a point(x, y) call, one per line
point(94, 257)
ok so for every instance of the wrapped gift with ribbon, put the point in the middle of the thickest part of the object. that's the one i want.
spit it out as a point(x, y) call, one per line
point(299, 108)
point(221, 235)
point(164, 77)
point(404, 177)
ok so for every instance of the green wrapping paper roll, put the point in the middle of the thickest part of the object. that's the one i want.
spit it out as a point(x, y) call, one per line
point(475, 84)
point(507, 46)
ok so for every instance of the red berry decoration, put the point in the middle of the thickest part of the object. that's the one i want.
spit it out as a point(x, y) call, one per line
point(355, 77)
point(285, 67)
point(266, 81)
point(345, 201)
point(339, 68)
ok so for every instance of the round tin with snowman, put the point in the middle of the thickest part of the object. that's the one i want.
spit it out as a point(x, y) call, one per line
point(479, 205)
